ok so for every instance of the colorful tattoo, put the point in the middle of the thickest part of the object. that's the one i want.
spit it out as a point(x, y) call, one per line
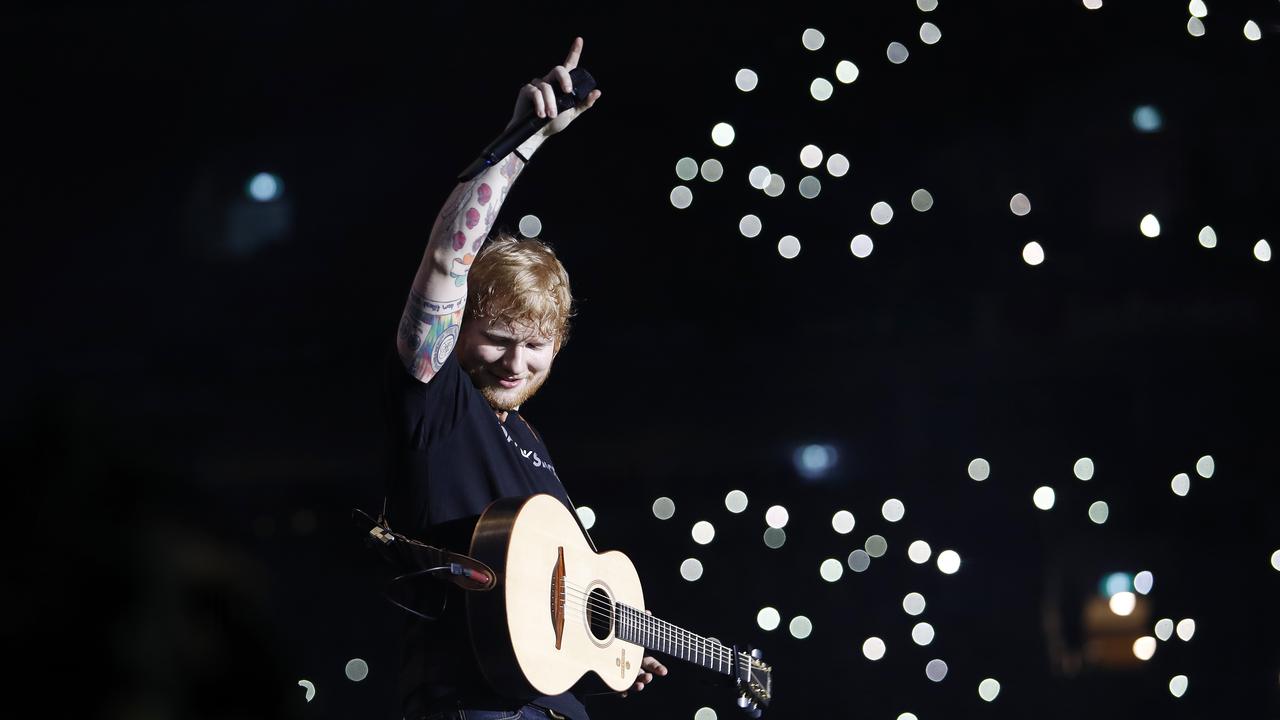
point(483, 193)
point(461, 266)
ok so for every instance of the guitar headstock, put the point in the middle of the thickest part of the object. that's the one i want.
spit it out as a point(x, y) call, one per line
point(755, 683)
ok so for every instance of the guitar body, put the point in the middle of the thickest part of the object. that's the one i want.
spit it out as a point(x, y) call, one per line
point(549, 621)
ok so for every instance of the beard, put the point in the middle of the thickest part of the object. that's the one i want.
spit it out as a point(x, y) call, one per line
point(506, 399)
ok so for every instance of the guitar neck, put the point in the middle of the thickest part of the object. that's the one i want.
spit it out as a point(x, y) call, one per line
point(641, 628)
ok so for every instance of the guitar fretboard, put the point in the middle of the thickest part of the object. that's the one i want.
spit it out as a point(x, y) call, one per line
point(641, 628)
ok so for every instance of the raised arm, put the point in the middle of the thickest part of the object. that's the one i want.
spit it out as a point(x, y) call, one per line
point(433, 313)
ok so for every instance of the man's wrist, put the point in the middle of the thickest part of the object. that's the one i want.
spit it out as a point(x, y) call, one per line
point(527, 148)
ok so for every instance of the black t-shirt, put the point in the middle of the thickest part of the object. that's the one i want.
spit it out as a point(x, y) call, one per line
point(451, 457)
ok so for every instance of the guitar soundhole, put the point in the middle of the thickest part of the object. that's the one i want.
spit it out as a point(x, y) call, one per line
point(599, 614)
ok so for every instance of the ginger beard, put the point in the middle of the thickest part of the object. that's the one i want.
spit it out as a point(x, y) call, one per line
point(506, 399)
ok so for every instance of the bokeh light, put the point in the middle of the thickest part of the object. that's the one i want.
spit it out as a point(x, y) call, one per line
point(919, 552)
point(1033, 253)
point(809, 187)
point(746, 80)
point(530, 226)
point(1123, 603)
point(1178, 685)
point(831, 570)
point(789, 246)
point(1099, 512)
point(664, 508)
point(893, 510)
point(1116, 582)
point(921, 200)
point(691, 569)
point(1275, 560)
point(1164, 628)
point(722, 134)
point(681, 197)
point(811, 156)
point(587, 516)
point(1019, 204)
point(922, 634)
point(926, 6)
point(703, 532)
point(837, 165)
point(1144, 647)
point(750, 226)
point(1083, 469)
point(846, 71)
point(842, 522)
point(1195, 27)
point(356, 670)
point(881, 213)
point(775, 538)
point(949, 562)
point(859, 560)
point(686, 168)
point(935, 670)
point(1181, 484)
point(801, 627)
point(1197, 8)
point(776, 517)
point(712, 170)
point(1043, 497)
point(768, 618)
point(873, 648)
point(861, 246)
point(913, 603)
point(775, 186)
point(812, 39)
point(1143, 582)
point(1149, 226)
point(929, 33)
point(876, 546)
point(1208, 237)
point(989, 689)
point(1147, 119)
point(759, 176)
point(979, 469)
point(264, 187)
point(1186, 629)
point(1262, 251)
point(1251, 31)
point(821, 89)
point(897, 53)
point(705, 713)
point(736, 501)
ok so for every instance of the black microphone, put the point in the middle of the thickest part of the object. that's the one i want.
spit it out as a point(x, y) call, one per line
point(510, 139)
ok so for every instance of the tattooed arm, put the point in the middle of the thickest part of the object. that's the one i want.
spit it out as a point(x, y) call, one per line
point(433, 313)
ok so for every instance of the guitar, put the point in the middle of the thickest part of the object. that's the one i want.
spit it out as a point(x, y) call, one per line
point(559, 611)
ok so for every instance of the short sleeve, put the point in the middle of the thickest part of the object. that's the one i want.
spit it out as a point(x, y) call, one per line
point(424, 414)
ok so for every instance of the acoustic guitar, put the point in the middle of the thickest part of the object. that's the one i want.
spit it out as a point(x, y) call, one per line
point(559, 610)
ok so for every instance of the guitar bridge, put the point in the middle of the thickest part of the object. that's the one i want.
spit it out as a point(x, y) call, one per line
point(557, 597)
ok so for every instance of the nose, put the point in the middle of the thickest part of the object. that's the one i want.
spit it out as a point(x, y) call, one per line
point(513, 360)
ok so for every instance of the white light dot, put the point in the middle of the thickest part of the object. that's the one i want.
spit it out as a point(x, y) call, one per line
point(921, 200)
point(1144, 647)
point(664, 508)
point(1181, 484)
point(776, 517)
point(908, 716)
point(768, 618)
point(1195, 27)
point(789, 246)
point(809, 187)
point(1043, 497)
point(1083, 468)
point(800, 627)
point(712, 170)
point(812, 39)
point(750, 226)
point(1123, 603)
point(759, 177)
point(919, 552)
point(929, 33)
point(1186, 629)
point(265, 187)
point(897, 53)
point(876, 546)
point(893, 510)
point(1197, 8)
point(691, 569)
point(922, 634)
point(831, 569)
point(775, 186)
point(1164, 628)
point(681, 197)
point(842, 522)
point(1143, 582)
point(989, 689)
point(926, 6)
point(1019, 204)
point(1149, 226)
point(1204, 466)
point(530, 226)
point(846, 71)
point(1275, 560)
point(1208, 237)
point(913, 603)
point(587, 516)
point(1093, 4)
point(979, 469)
point(1178, 685)
point(861, 246)
point(936, 670)
point(811, 156)
point(859, 560)
point(1262, 251)
point(873, 648)
point(1099, 512)
point(1252, 32)
point(735, 501)
point(775, 538)
point(357, 670)
point(746, 80)
point(881, 213)
point(722, 134)
point(1032, 253)
point(948, 561)
point(821, 89)
point(703, 532)
point(311, 689)
point(705, 713)
point(686, 168)
point(837, 165)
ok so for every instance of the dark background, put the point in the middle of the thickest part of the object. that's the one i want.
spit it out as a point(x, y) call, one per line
point(191, 405)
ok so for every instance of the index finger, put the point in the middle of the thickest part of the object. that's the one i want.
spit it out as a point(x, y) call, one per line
point(571, 60)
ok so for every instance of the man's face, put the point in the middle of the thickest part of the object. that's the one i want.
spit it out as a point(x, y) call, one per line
point(508, 364)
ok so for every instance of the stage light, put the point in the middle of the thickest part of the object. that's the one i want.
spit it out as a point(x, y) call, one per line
point(1144, 647)
point(821, 89)
point(876, 546)
point(846, 71)
point(1043, 497)
point(919, 552)
point(926, 6)
point(1019, 204)
point(681, 197)
point(735, 501)
point(691, 569)
point(1032, 253)
point(1178, 685)
point(913, 603)
point(1149, 226)
point(1197, 8)
point(775, 186)
point(703, 532)
point(722, 134)
point(881, 213)
point(897, 53)
point(1262, 251)
point(831, 569)
point(1186, 629)
point(921, 200)
point(800, 627)
point(664, 508)
point(1143, 582)
point(1083, 468)
point(1195, 27)
point(893, 510)
point(811, 156)
point(1208, 237)
point(1252, 32)
point(873, 648)
point(1147, 119)
point(1164, 628)
point(929, 33)
point(810, 187)
point(768, 618)
point(712, 170)
point(789, 246)
point(859, 560)
point(842, 522)
point(936, 670)
point(356, 670)
point(1099, 512)
point(949, 562)
point(1116, 582)
point(774, 538)
point(776, 517)
point(1204, 466)
point(837, 165)
point(746, 80)
point(989, 689)
point(587, 516)
point(812, 39)
point(861, 246)
point(759, 177)
point(264, 187)
point(814, 461)
point(1123, 603)
point(979, 469)
point(530, 226)
point(686, 168)
point(750, 226)
point(1181, 484)
point(922, 634)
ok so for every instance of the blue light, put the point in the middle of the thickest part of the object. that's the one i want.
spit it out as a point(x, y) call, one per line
point(1116, 582)
point(265, 187)
point(1147, 119)
point(814, 461)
